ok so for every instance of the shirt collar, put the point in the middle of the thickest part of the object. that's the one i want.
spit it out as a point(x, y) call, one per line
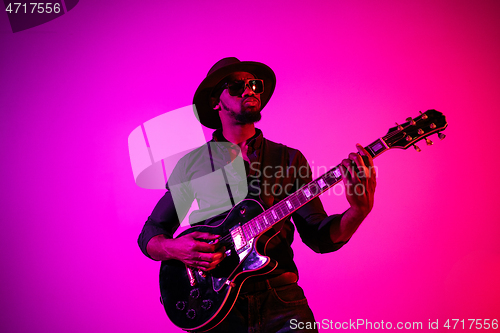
point(255, 142)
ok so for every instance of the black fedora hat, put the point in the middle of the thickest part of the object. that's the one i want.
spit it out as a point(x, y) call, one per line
point(223, 68)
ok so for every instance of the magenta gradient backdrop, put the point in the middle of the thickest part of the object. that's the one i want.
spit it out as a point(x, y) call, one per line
point(73, 89)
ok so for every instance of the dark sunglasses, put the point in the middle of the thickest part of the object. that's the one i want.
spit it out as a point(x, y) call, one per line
point(236, 88)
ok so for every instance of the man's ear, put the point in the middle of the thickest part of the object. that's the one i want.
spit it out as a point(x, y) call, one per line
point(214, 103)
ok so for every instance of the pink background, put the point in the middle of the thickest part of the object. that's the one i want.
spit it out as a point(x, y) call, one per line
point(73, 89)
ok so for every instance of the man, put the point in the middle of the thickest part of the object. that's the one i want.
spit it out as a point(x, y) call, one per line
point(230, 99)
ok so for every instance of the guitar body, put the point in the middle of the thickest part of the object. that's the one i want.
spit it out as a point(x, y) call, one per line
point(196, 300)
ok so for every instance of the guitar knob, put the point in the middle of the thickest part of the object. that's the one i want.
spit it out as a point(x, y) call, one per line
point(441, 136)
point(207, 304)
point(429, 142)
point(191, 313)
point(180, 305)
point(410, 119)
point(417, 149)
point(195, 293)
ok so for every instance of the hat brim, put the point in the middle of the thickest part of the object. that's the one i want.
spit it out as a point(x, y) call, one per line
point(203, 110)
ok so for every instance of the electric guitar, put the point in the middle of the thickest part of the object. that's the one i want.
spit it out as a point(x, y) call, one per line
point(197, 300)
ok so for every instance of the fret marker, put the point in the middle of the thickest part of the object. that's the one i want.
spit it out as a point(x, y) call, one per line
point(289, 204)
point(307, 192)
point(377, 146)
point(321, 183)
point(274, 214)
point(336, 173)
point(265, 220)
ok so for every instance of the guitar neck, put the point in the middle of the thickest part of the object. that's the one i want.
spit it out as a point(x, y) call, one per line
point(402, 136)
point(306, 193)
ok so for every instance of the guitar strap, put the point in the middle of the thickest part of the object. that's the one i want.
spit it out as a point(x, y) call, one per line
point(272, 158)
point(271, 162)
point(228, 187)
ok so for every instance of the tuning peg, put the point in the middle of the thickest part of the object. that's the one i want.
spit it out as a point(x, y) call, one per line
point(420, 131)
point(399, 127)
point(441, 136)
point(410, 119)
point(429, 142)
point(433, 126)
point(424, 116)
point(417, 149)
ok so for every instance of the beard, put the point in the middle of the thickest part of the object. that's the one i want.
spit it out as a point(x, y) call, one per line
point(245, 116)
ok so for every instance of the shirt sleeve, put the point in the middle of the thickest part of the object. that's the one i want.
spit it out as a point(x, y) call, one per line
point(163, 220)
point(311, 220)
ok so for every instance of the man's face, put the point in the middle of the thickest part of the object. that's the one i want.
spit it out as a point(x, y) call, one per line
point(244, 109)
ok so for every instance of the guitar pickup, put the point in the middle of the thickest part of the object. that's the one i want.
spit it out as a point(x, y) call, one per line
point(239, 239)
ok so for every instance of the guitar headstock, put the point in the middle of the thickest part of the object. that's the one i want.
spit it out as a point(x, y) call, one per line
point(416, 129)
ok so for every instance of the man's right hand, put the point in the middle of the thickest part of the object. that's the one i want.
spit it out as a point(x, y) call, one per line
point(192, 249)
